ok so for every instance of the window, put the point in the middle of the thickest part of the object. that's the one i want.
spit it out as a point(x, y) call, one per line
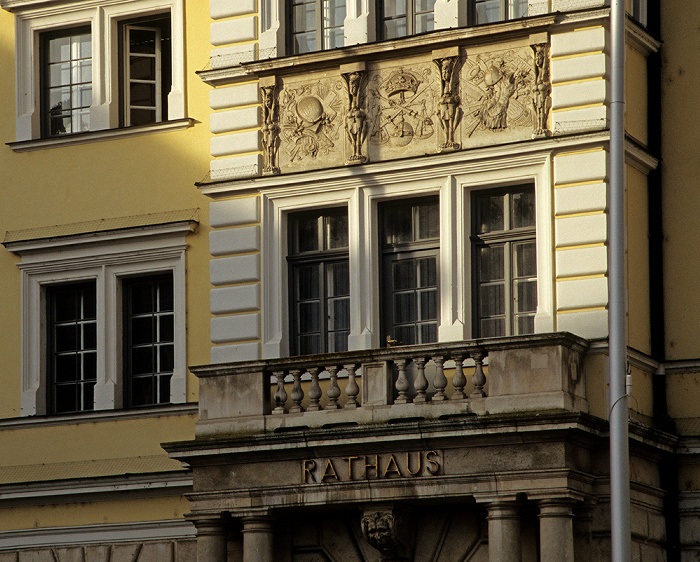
point(316, 25)
point(67, 76)
point(86, 67)
point(103, 313)
point(149, 351)
point(72, 347)
point(410, 246)
point(145, 70)
point(490, 11)
point(505, 263)
point(639, 11)
point(406, 17)
point(320, 282)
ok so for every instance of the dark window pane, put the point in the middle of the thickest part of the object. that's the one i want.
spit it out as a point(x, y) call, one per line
point(142, 330)
point(405, 335)
point(404, 274)
point(66, 307)
point(428, 333)
point(142, 360)
point(164, 390)
point(66, 338)
point(526, 292)
point(428, 221)
point(90, 336)
point(427, 268)
point(338, 279)
point(142, 391)
point(66, 399)
point(307, 282)
point(88, 397)
point(428, 305)
point(142, 94)
point(338, 341)
point(337, 231)
point(310, 344)
point(141, 298)
point(526, 325)
point(398, 225)
point(490, 214)
point(491, 264)
point(142, 41)
point(66, 368)
point(167, 358)
point(142, 116)
point(165, 296)
point(339, 314)
point(523, 205)
point(309, 317)
point(142, 68)
point(492, 300)
point(167, 329)
point(90, 366)
point(307, 234)
point(405, 308)
point(525, 259)
point(493, 327)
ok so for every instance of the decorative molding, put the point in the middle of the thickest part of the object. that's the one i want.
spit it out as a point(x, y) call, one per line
point(104, 135)
point(96, 534)
point(541, 90)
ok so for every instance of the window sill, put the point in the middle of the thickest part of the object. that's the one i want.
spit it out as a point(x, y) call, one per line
point(92, 416)
point(98, 136)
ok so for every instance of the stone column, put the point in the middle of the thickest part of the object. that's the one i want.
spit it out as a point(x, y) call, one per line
point(211, 540)
point(257, 539)
point(504, 531)
point(556, 530)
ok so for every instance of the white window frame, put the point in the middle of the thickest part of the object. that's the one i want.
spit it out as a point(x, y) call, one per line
point(106, 258)
point(452, 178)
point(34, 17)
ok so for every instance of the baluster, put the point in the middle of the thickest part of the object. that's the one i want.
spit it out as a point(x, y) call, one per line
point(280, 394)
point(333, 388)
point(421, 383)
point(440, 380)
point(352, 390)
point(479, 379)
point(314, 391)
point(297, 393)
point(401, 382)
point(459, 381)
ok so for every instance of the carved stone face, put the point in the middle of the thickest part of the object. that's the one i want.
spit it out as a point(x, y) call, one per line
point(379, 531)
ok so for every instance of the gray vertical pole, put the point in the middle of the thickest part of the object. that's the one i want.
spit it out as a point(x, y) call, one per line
point(621, 536)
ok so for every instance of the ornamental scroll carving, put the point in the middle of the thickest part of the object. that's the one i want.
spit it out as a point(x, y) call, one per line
point(356, 117)
point(449, 112)
point(270, 129)
point(541, 90)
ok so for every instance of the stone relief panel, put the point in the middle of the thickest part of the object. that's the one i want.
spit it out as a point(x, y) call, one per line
point(402, 102)
point(383, 110)
point(312, 116)
point(497, 91)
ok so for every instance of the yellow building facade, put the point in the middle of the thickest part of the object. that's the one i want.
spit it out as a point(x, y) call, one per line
point(318, 279)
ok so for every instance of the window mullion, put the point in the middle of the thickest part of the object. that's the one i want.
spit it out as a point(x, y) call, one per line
point(319, 25)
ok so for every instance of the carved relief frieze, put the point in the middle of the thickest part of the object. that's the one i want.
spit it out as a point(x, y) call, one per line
point(270, 127)
point(496, 87)
point(356, 117)
point(311, 116)
point(402, 104)
point(541, 90)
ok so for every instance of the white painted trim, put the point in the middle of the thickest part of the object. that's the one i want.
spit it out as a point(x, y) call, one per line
point(34, 18)
point(361, 191)
point(106, 257)
point(96, 534)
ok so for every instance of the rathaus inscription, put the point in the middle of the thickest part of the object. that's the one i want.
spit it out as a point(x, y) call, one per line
point(371, 467)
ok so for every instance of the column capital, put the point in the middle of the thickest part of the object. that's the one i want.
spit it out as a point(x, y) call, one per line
point(503, 509)
point(556, 507)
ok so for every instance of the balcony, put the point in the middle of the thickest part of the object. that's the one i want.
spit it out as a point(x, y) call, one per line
point(380, 386)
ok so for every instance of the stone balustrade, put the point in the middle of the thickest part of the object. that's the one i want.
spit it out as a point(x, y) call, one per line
point(496, 375)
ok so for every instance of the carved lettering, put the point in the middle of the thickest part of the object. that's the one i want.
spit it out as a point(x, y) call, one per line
point(394, 465)
point(350, 459)
point(432, 465)
point(307, 468)
point(375, 466)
